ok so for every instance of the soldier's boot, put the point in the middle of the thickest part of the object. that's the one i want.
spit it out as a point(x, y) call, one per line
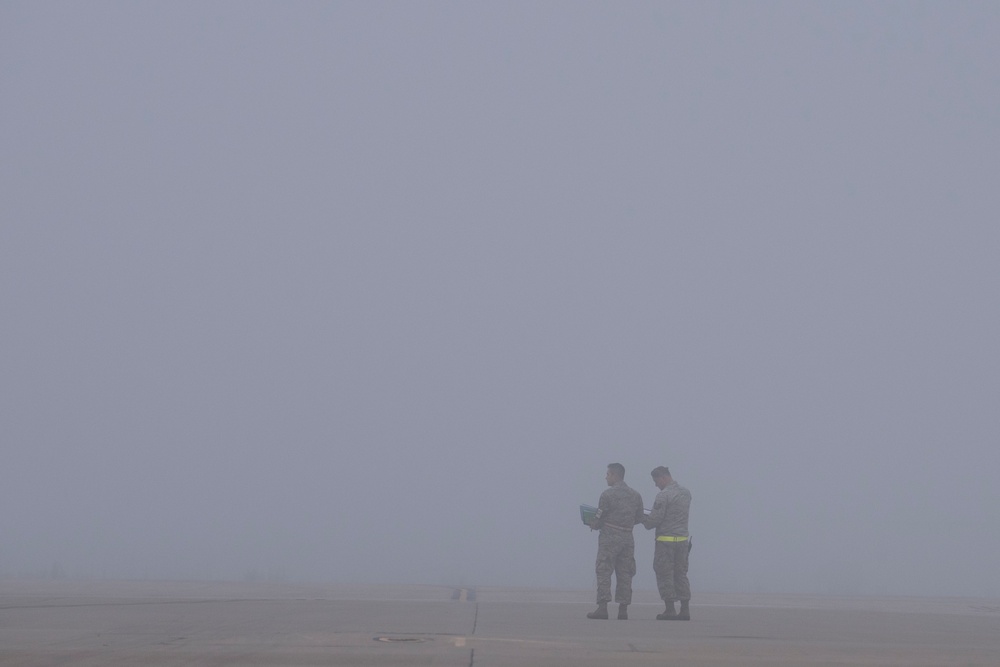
point(600, 612)
point(623, 612)
point(685, 613)
point(668, 614)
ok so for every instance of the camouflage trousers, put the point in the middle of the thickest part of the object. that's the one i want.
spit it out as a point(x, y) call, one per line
point(615, 553)
point(670, 563)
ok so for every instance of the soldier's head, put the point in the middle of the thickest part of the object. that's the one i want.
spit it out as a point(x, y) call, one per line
point(661, 476)
point(616, 473)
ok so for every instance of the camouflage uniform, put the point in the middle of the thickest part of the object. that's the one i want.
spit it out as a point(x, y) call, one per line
point(620, 509)
point(670, 559)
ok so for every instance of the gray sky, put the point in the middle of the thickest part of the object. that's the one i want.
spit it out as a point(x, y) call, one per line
point(374, 291)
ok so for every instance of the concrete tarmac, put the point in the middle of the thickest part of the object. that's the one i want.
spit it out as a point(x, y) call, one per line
point(90, 623)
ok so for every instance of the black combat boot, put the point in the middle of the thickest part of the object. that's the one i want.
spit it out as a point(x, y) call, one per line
point(685, 613)
point(668, 614)
point(600, 612)
point(623, 612)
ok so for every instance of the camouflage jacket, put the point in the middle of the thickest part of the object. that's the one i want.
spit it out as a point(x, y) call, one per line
point(620, 508)
point(670, 511)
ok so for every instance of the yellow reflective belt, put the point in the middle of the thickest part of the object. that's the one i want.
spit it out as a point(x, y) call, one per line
point(671, 538)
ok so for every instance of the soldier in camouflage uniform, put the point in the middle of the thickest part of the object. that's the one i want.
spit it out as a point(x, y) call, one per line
point(618, 510)
point(669, 517)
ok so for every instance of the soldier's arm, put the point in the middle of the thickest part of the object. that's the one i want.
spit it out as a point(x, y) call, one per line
point(655, 515)
point(603, 505)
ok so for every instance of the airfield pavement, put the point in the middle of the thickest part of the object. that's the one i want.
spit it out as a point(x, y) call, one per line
point(90, 623)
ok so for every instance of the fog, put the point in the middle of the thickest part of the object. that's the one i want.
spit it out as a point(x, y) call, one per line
point(374, 292)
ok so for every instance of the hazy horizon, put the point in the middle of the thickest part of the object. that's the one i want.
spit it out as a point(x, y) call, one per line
point(373, 292)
